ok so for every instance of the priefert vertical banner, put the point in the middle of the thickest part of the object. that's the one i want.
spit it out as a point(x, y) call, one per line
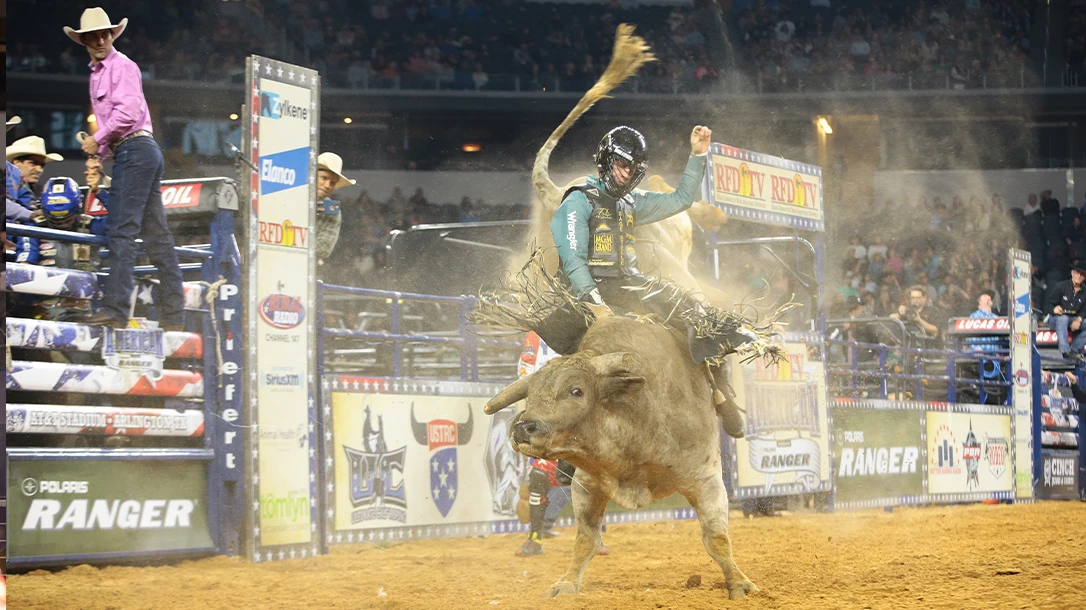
point(282, 124)
point(1021, 318)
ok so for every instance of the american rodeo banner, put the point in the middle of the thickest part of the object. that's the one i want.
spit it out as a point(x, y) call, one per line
point(763, 188)
point(282, 126)
point(786, 449)
point(969, 454)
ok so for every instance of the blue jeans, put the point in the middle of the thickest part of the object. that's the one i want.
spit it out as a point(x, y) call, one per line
point(135, 210)
point(1062, 325)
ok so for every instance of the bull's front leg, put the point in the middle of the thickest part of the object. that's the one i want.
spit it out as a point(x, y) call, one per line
point(710, 500)
point(589, 504)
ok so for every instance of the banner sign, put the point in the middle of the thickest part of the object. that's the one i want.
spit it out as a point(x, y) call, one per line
point(193, 196)
point(63, 419)
point(69, 336)
point(968, 453)
point(1059, 475)
point(409, 459)
point(282, 125)
point(94, 506)
point(136, 350)
point(879, 456)
point(764, 188)
point(1021, 319)
point(786, 449)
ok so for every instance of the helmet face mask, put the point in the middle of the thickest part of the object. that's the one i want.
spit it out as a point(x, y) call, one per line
point(626, 146)
point(62, 203)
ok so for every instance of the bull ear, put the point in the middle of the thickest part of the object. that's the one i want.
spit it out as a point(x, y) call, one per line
point(611, 364)
point(613, 387)
point(517, 390)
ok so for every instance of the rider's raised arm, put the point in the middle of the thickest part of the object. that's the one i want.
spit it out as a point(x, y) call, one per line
point(653, 207)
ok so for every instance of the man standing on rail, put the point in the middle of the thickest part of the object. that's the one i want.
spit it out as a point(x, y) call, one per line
point(124, 131)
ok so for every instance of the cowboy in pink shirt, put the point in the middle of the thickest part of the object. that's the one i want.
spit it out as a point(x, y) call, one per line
point(135, 208)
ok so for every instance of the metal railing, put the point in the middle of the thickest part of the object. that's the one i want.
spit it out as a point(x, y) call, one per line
point(440, 342)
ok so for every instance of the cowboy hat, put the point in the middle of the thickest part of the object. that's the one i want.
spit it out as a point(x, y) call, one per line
point(95, 19)
point(13, 121)
point(31, 146)
point(333, 163)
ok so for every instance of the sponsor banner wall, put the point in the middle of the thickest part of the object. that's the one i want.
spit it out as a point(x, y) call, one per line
point(1059, 475)
point(420, 460)
point(786, 449)
point(282, 140)
point(969, 453)
point(1021, 320)
point(764, 188)
point(879, 456)
point(88, 506)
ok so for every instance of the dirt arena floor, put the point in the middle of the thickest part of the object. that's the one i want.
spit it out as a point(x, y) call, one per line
point(1022, 556)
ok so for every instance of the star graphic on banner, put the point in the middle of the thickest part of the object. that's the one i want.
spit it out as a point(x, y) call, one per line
point(452, 465)
point(256, 65)
point(451, 493)
point(255, 142)
point(444, 478)
point(291, 74)
point(255, 194)
point(313, 105)
point(267, 70)
point(312, 155)
point(437, 493)
point(279, 72)
point(435, 466)
point(312, 131)
point(302, 77)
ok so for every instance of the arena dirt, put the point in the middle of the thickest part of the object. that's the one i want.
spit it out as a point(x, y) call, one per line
point(1022, 556)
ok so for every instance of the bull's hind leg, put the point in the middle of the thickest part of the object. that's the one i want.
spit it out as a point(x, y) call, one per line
point(588, 508)
point(710, 500)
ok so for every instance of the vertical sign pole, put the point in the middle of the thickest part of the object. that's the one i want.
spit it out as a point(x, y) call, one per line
point(1021, 319)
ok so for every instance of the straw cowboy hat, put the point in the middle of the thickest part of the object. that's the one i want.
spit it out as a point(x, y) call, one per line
point(31, 146)
point(333, 163)
point(13, 121)
point(95, 19)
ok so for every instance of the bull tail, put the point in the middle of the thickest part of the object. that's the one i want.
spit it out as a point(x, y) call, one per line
point(630, 53)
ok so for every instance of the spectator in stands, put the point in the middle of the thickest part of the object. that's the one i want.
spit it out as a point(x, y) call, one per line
point(1068, 307)
point(329, 178)
point(125, 132)
point(921, 318)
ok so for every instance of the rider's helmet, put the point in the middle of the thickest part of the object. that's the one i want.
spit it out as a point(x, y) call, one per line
point(621, 144)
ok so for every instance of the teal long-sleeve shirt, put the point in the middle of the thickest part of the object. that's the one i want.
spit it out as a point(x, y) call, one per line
point(569, 226)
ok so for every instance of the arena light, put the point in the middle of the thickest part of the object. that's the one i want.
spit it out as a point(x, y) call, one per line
point(92, 119)
point(348, 120)
point(471, 148)
point(233, 116)
point(824, 125)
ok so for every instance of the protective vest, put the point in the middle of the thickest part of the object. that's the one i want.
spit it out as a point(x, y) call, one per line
point(611, 241)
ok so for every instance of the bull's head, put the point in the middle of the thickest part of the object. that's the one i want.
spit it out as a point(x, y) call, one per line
point(563, 402)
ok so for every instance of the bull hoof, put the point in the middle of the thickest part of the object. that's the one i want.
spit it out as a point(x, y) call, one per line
point(739, 588)
point(563, 587)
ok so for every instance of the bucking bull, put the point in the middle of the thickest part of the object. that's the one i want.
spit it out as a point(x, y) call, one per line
point(635, 415)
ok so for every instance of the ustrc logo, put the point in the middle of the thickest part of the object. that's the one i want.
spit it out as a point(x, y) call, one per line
point(275, 106)
point(32, 486)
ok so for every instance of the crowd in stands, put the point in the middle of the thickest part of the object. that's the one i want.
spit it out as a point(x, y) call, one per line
point(367, 223)
point(454, 44)
point(547, 46)
point(955, 252)
point(1076, 41)
point(847, 44)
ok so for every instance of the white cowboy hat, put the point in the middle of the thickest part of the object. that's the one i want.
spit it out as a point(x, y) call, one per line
point(13, 121)
point(333, 163)
point(31, 145)
point(95, 19)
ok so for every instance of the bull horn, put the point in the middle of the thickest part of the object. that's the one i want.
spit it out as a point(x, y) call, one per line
point(609, 364)
point(418, 428)
point(512, 393)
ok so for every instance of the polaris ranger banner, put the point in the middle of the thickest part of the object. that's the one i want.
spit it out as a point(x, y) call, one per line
point(88, 506)
point(879, 456)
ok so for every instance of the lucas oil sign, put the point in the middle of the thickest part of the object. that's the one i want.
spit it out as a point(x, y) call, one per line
point(105, 506)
